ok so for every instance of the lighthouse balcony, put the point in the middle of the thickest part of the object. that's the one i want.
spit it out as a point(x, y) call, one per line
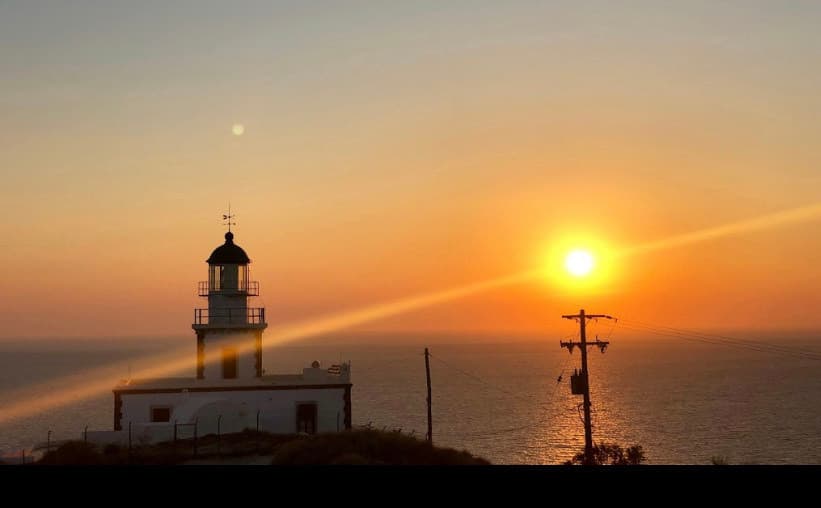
point(247, 288)
point(250, 317)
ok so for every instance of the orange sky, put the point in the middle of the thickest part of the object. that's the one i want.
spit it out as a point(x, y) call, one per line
point(396, 150)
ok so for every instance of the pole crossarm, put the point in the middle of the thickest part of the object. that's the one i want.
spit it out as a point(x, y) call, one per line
point(601, 344)
point(588, 316)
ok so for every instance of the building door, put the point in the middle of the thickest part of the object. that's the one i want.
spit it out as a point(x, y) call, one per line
point(229, 363)
point(306, 417)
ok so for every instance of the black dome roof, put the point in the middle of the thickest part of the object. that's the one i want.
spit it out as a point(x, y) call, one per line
point(228, 253)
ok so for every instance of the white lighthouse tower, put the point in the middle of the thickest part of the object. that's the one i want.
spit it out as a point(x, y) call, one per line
point(229, 330)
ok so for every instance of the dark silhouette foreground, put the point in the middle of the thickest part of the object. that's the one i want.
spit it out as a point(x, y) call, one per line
point(352, 447)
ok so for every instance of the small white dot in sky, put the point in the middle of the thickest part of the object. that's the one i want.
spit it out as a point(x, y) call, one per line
point(238, 129)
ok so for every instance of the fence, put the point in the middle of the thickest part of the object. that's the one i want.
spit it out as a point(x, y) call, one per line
point(184, 440)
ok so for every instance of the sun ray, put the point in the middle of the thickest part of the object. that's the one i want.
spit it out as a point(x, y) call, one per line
point(794, 215)
point(101, 381)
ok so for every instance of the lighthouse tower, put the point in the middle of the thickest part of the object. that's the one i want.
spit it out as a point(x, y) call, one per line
point(229, 332)
point(230, 392)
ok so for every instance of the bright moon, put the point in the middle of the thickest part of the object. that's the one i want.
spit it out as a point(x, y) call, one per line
point(238, 129)
point(579, 263)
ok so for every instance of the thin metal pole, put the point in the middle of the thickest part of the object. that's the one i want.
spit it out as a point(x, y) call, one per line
point(48, 442)
point(257, 434)
point(85, 434)
point(219, 437)
point(195, 436)
point(430, 413)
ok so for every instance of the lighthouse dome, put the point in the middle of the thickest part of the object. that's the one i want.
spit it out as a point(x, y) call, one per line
point(228, 253)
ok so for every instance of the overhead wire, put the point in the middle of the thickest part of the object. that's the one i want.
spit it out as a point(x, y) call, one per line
point(479, 379)
point(758, 346)
point(640, 326)
point(507, 392)
point(752, 342)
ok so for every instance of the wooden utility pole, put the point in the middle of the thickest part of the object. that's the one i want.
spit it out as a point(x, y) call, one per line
point(430, 414)
point(582, 380)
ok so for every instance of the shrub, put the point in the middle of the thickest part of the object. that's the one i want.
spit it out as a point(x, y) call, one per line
point(611, 454)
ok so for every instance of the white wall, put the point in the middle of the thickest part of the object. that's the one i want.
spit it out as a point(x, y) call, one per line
point(239, 409)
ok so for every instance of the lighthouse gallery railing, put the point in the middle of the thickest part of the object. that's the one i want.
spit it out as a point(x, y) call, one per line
point(239, 316)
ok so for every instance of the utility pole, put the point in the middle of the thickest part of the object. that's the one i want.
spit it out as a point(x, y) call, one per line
point(581, 382)
point(430, 419)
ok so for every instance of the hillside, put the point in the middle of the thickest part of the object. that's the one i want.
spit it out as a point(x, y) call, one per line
point(355, 447)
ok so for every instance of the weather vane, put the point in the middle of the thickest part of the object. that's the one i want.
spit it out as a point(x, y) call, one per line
point(229, 219)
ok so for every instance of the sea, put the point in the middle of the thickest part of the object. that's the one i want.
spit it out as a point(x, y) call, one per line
point(504, 398)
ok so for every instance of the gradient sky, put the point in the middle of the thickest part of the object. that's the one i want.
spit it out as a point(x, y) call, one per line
point(392, 148)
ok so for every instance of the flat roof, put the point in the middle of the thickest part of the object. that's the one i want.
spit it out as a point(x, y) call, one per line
point(181, 383)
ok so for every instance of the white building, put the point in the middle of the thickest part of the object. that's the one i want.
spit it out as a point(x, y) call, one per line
point(230, 390)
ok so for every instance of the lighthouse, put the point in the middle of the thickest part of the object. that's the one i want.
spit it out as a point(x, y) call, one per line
point(229, 330)
point(230, 391)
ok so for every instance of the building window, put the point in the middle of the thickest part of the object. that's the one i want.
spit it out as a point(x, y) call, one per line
point(229, 363)
point(306, 417)
point(161, 414)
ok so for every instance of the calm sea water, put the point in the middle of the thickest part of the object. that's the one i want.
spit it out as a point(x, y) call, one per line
point(683, 402)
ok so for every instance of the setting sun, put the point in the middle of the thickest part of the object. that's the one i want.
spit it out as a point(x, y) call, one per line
point(579, 263)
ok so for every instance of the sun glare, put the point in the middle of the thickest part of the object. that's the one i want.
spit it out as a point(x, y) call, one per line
point(579, 263)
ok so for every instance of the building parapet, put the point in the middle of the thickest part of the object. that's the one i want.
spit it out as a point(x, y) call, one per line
point(311, 376)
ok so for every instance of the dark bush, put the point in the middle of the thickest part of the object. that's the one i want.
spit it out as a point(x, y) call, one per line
point(611, 454)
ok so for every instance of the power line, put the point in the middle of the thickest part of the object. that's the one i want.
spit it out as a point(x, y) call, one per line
point(655, 331)
point(478, 379)
point(720, 340)
point(739, 343)
point(753, 342)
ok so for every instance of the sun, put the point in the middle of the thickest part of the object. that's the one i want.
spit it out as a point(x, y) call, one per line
point(579, 263)
point(238, 129)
